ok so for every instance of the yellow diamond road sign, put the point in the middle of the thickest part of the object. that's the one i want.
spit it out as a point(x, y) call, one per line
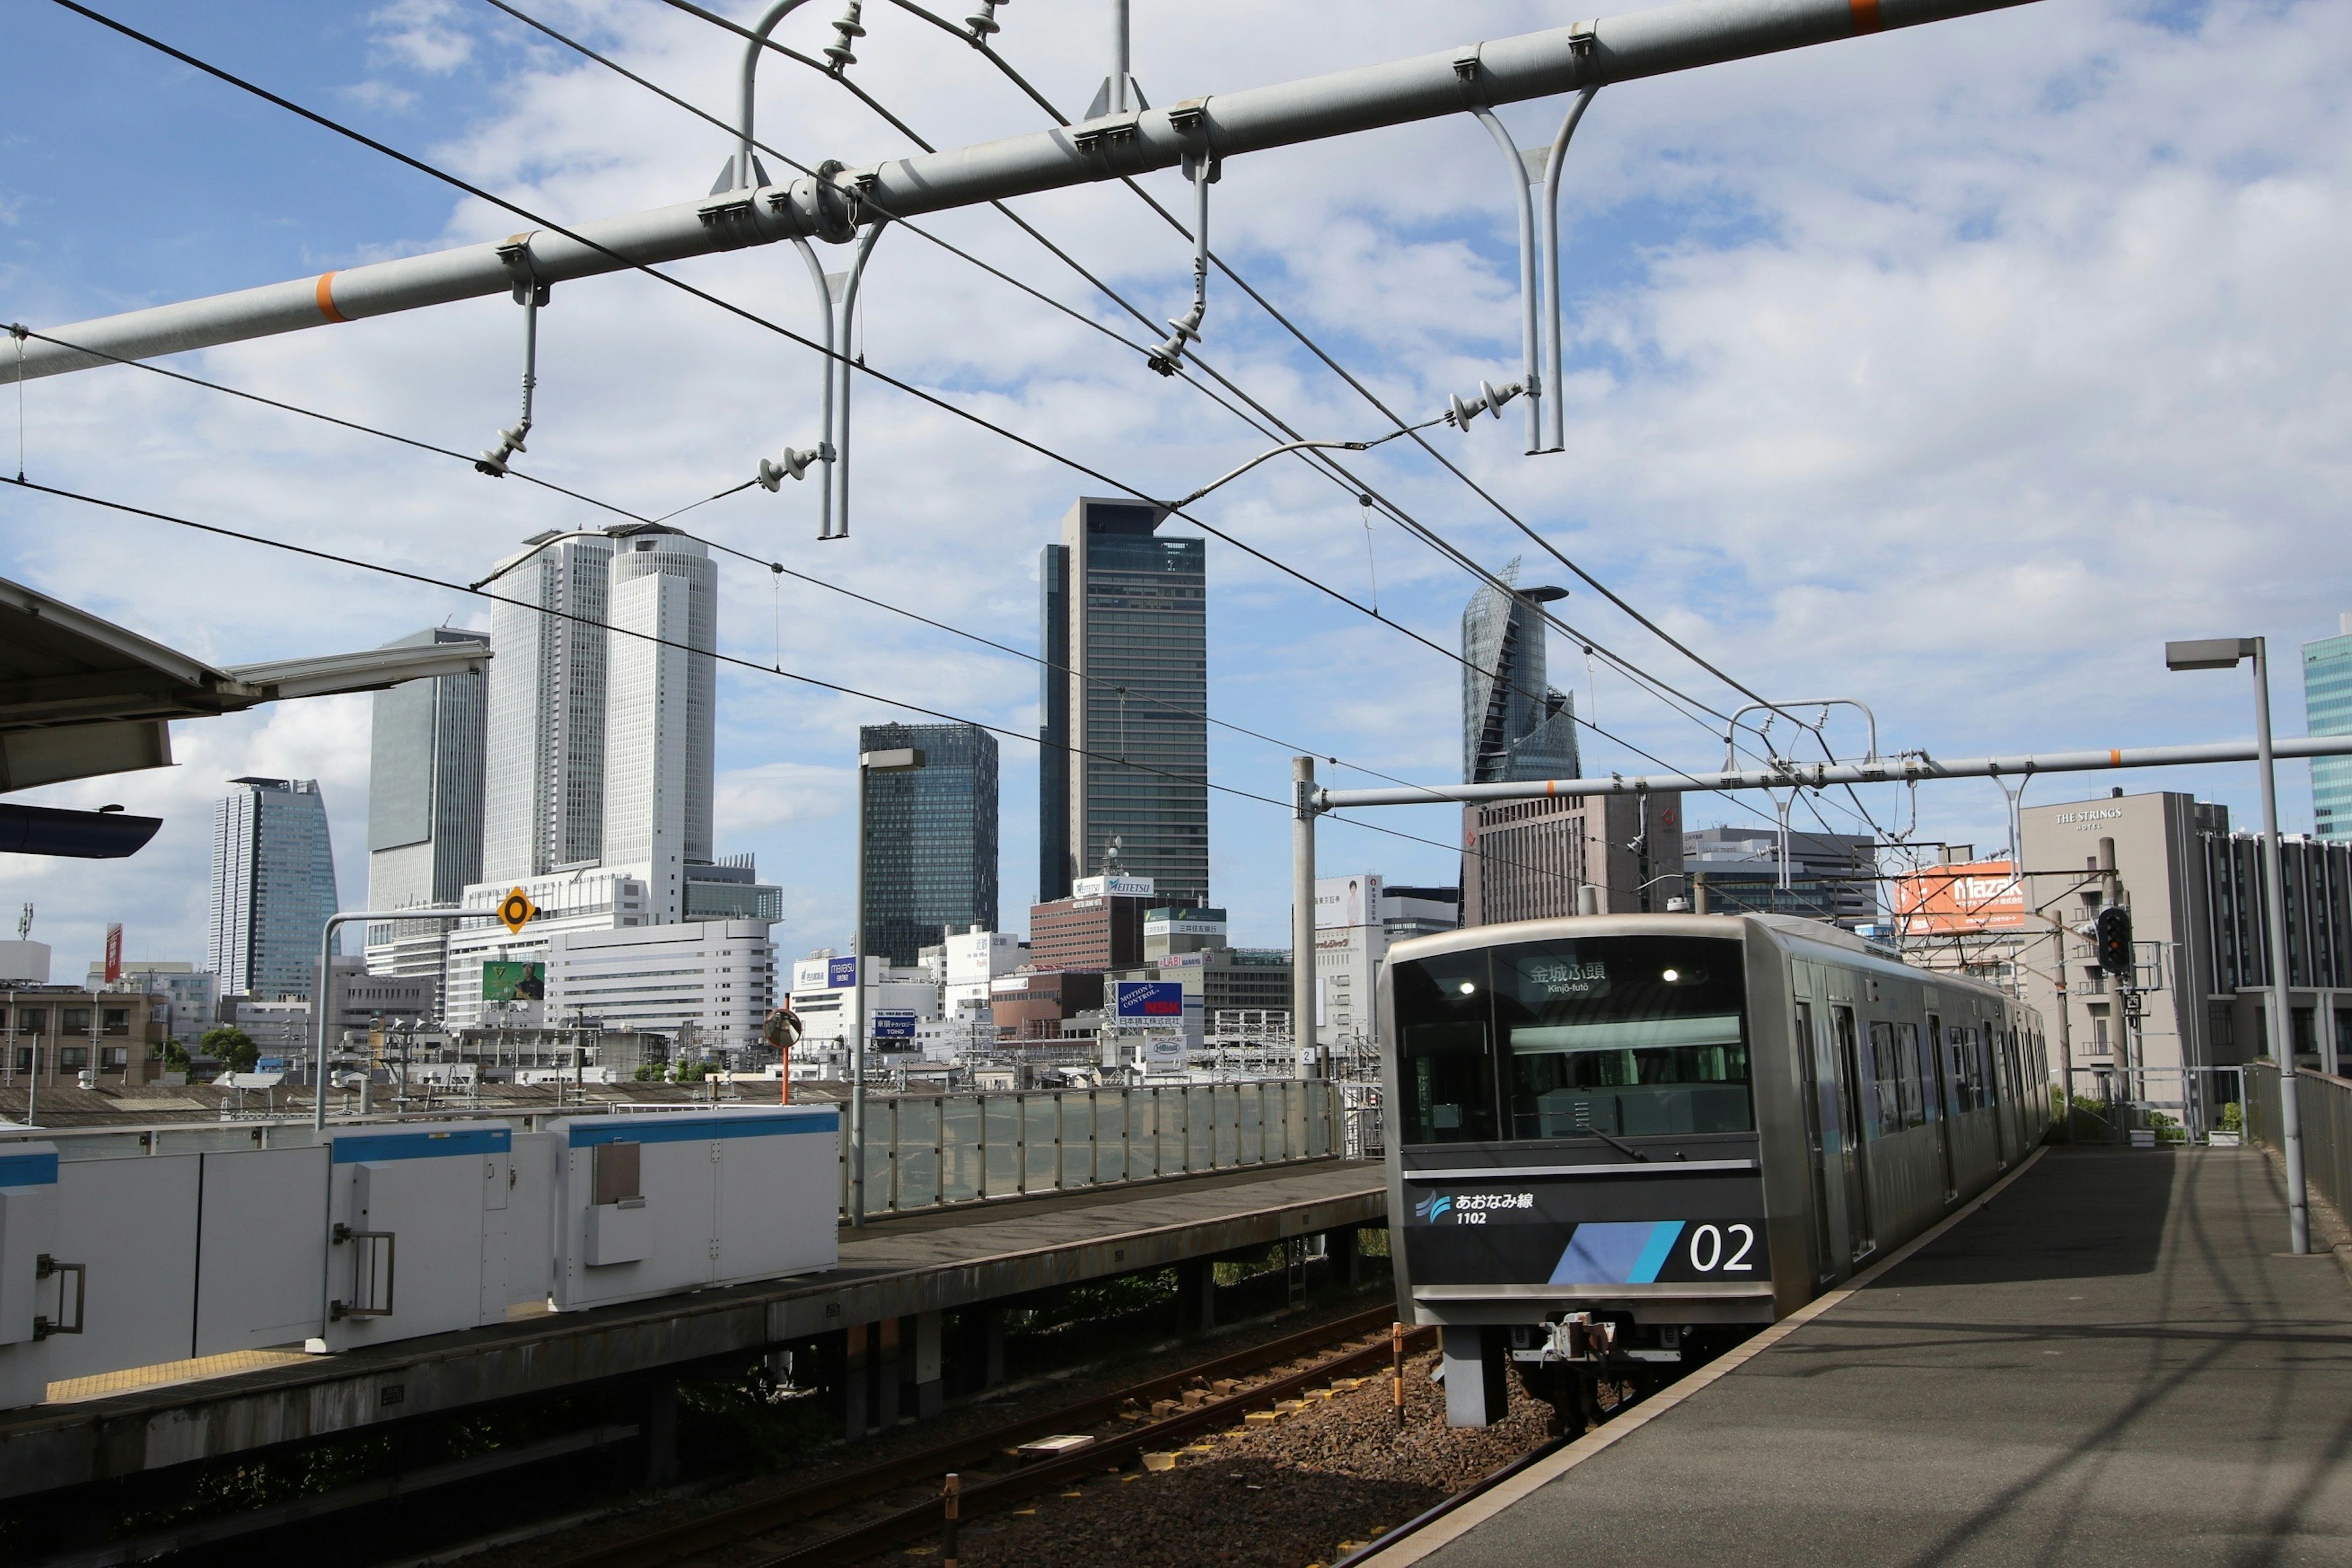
point(516, 911)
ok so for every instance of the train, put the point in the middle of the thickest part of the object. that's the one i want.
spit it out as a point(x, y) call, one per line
point(1616, 1145)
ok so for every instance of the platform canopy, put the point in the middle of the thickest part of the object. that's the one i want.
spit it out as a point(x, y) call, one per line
point(81, 697)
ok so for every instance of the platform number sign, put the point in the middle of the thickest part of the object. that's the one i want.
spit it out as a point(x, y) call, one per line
point(515, 910)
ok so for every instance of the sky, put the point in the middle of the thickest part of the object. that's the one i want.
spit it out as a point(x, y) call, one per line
point(1950, 370)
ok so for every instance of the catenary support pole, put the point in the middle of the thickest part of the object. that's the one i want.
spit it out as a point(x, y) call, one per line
point(857, 1020)
point(1530, 368)
point(1503, 70)
point(2298, 1202)
point(1907, 769)
point(321, 1012)
point(1554, 433)
point(1302, 913)
point(837, 504)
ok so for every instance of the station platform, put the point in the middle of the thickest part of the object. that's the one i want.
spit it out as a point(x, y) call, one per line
point(902, 1267)
point(2112, 1361)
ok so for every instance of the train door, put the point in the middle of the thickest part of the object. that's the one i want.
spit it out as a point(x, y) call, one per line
point(1816, 1151)
point(1987, 1044)
point(1857, 1179)
point(1931, 1063)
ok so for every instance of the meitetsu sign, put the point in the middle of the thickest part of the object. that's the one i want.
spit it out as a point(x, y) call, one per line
point(1111, 887)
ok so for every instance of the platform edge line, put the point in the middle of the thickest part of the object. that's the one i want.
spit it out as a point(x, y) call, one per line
point(1470, 1515)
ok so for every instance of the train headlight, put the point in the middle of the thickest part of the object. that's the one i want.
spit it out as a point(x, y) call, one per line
point(1468, 987)
point(1671, 975)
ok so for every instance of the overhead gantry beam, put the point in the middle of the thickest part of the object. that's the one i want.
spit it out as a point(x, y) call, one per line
point(1912, 768)
point(1452, 81)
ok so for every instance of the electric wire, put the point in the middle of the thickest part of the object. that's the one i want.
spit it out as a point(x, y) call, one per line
point(741, 312)
point(1337, 472)
point(1321, 460)
point(361, 563)
point(775, 568)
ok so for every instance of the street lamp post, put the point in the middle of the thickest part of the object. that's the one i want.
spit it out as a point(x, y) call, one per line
point(899, 760)
point(2226, 653)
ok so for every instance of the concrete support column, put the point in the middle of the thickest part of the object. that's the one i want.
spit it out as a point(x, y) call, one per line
point(857, 1404)
point(1476, 1368)
point(661, 1432)
point(979, 1332)
point(887, 1374)
point(1196, 1297)
point(931, 1392)
point(1340, 1245)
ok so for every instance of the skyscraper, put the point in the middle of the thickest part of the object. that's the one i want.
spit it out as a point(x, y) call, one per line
point(1514, 725)
point(1125, 750)
point(2328, 711)
point(662, 709)
point(930, 838)
point(425, 807)
point(601, 744)
point(273, 886)
point(543, 786)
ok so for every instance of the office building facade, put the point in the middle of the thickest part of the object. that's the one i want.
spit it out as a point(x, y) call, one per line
point(544, 783)
point(1524, 859)
point(273, 886)
point(1124, 749)
point(661, 709)
point(425, 753)
point(1833, 876)
point(930, 846)
point(1514, 726)
point(2328, 711)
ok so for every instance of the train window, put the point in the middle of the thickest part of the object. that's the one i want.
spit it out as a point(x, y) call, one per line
point(1626, 1036)
point(1931, 1068)
point(1886, 1081)
point(1445, 1063)
point(1969, 1067)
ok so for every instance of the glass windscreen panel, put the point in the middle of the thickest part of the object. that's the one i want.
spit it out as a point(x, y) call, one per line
point(1445, 1058)
point(1630, 1035)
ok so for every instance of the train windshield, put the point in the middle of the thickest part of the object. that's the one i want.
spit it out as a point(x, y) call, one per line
point(1623, 1034)
point(1626, 1035)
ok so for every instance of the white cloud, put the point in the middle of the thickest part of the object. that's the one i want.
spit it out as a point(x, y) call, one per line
point(1952, 369)
point(425, 33)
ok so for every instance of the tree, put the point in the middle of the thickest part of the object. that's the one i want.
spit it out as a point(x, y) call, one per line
point(232, 1046)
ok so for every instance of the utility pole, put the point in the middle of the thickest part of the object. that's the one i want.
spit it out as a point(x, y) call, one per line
point(1303, 989)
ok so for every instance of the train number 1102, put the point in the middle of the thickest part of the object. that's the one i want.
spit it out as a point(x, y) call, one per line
point(1708, 1243)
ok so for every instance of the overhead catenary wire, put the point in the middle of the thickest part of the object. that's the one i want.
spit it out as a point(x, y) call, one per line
point(743, 313)
point(838, 688)
point(1340, 474)
point(1333, 470)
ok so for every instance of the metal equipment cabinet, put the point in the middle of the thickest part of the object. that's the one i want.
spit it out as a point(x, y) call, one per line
point(650, 1205)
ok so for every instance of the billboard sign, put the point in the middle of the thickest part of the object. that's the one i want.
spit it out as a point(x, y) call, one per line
point(1112, 887)
point(506, 981)
point(1163, 1048)
point(1155, 999)
point(894, 1026)
point(114, 952)
point(840, 974)
point(1943, 900)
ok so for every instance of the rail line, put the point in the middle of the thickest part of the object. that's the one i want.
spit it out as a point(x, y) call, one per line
point(984, 1494)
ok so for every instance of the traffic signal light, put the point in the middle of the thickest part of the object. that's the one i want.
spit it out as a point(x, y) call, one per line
point(2112, 939)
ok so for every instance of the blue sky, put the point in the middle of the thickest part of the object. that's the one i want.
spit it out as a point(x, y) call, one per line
point(1952, 370)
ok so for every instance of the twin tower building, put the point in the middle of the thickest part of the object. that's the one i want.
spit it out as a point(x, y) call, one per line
point(580, 766)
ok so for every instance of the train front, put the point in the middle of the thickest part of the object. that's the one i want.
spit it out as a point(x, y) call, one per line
point(1575, 1186)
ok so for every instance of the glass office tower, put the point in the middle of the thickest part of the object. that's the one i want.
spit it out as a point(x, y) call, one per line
point(273, 888)
point(1125, 754)
point(2328, 711)
point(1514, 725)
point(930, 838)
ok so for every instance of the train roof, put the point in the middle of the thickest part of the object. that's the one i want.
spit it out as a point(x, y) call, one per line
point(1784, 931)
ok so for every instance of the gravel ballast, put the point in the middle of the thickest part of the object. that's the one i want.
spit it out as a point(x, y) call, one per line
point(1297, 1492)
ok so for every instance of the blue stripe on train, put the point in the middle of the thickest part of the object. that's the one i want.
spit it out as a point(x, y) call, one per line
point(1616, 1252)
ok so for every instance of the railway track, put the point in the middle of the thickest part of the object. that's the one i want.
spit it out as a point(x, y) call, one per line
point(917, 1515)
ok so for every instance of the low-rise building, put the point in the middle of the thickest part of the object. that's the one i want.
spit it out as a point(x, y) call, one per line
point(1525, 859)
point(55, 1033)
